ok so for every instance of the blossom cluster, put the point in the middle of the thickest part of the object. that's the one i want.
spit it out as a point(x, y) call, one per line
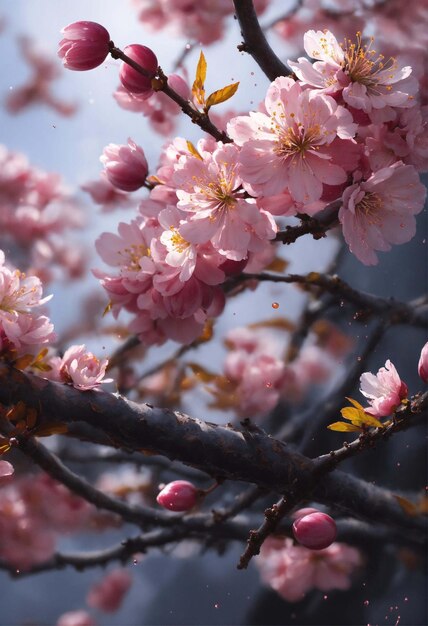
point(36, 212)
point(349, 129)
point(34, 512)
point(22, 327)
point(257, 375)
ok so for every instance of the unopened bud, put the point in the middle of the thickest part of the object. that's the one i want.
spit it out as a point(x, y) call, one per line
point(180, 495)
point(315, 531)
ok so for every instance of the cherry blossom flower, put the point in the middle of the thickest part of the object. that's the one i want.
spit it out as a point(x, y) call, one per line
point(423, 364)
point(179, 495)
point(366, 82)
point(293, 570)
point(287, 148)
point(380, 211)
point(208, 188)
point(19, 325)
point(82, 369)
point(108, 594)
point(384, 391)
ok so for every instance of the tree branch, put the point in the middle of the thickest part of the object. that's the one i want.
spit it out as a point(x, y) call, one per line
point(255, 42)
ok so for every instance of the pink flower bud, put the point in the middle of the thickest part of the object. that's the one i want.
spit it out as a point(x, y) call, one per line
point(132, 80)
point(315, 531)
point(125, 166)
point(423, 364)
point(85, 45)
point(180, 495)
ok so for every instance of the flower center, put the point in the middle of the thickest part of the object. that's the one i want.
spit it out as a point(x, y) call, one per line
point(177, 241)
point(370, 205)
point(132, 255)
point(361, 64)
point(296, 140)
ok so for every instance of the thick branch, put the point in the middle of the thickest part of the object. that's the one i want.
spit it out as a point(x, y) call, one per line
point(221, 451)
point(255, 42)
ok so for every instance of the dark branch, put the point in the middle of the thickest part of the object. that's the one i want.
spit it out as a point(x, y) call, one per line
point(255, 42)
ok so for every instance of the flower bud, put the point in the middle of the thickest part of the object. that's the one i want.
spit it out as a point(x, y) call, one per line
point(315, 531)
point(179, 85)
point(6, 469)
point(130, 78)
point(125, 166)
point(423, 364)
point(180, 495)
point(84, 47)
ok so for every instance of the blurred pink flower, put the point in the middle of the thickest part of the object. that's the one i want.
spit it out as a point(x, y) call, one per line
point(76, 618)
point(293, 570)
point(384, 391)
point(108, 594)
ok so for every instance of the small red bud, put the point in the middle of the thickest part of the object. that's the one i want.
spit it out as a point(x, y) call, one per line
point(423, 364)
point(315, 531)
point(180, 495)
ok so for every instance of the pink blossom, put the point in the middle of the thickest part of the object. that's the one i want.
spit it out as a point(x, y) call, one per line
point(380, 211)
point(125, 166)
point(384, 391)
point(85, 45)
point(208, 188)
point(76, 618)
point(293, 570)
point(134, 81)
point(287, 148)
point(366, 82)
point(20, 294)
point(423, 364)
point(108, 594)
point(6, 470)
point(180, 496)
point(82, 369)
point(315, 530)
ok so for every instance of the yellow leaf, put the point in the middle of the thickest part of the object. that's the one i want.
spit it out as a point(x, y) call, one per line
point(193, 150)
point(355, 403)
point(407, 506)
point(359, 417)
point(198, 88)
point(17, 412)
point(277, 265)
point(344, 427)
point(107, 309)
point(23, 361)
point(221, 95)
point(31, 418)
point(203, 374)
point(281, 323)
